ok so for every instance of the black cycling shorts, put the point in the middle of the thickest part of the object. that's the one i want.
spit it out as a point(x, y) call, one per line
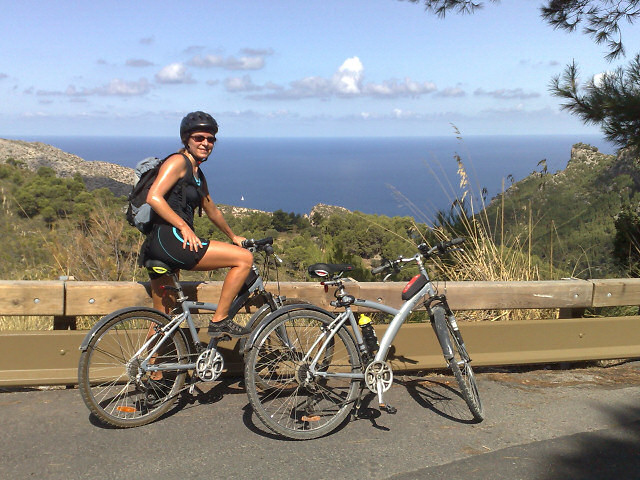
point(164, 243)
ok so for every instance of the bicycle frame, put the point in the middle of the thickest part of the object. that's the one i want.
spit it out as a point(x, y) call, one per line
point(400, 316)
point(187, 306)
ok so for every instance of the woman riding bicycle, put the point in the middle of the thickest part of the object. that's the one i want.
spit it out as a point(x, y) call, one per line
point(180, 189)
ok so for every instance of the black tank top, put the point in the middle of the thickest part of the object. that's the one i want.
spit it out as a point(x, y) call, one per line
point(186, 195)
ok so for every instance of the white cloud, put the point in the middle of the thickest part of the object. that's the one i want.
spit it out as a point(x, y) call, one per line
point(598, 79)
point(240, 84)
point(506, 94)
point(250, 62)
point(116, 87)
point(138, 62)
point(399, 113)
point(347, 81)
point(206, 61)
point(452, 92)
point(262, 52)
point(394, 88)
point(119, 87)
point(174, 73)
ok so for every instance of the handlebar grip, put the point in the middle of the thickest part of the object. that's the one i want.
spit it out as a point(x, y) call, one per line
point(264, 241)
point(250, 242)
point(381, 268)
point(444, 246)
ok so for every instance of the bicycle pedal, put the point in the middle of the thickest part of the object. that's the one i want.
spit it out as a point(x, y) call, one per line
point(218, 337)
point(385, 407)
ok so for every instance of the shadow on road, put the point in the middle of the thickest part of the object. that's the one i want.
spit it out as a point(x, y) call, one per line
point(204, 394)
point(439, 397)
point(598, 455)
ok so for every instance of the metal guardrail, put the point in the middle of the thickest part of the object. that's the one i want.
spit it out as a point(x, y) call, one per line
point(51, 357)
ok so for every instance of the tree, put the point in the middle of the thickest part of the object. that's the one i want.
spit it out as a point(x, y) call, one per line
point(626, 245)
point(599, 19)
point(611, 100)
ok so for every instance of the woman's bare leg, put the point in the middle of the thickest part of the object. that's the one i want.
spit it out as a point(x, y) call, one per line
point(163, 301)
point(225, 255)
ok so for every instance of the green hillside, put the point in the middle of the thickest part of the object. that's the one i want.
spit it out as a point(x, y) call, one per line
point(54, 226)
point(568, 218)
point(549, 225)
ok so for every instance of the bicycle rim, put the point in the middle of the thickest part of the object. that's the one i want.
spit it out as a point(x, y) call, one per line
point(463, 372)
point(110, 380)
point(283, 393)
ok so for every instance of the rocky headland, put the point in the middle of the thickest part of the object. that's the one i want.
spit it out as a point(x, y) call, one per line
point(34, 155)
point(95, 174)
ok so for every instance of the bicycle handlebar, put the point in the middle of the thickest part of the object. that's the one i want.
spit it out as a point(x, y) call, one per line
point(264, 244)
point(439, 249)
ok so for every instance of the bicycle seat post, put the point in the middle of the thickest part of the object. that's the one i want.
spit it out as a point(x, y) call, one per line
point(178, 287)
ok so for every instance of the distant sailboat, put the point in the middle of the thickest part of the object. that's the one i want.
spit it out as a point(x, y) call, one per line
point(242, 198)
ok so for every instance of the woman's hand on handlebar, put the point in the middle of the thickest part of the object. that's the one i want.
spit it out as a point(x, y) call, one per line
point(237, 240)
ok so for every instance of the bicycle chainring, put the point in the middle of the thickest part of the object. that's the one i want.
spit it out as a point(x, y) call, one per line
point(378, 376)
point(209, 365)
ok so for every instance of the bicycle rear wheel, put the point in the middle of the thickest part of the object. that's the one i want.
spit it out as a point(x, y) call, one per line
point(110, 380)
point(285, 396)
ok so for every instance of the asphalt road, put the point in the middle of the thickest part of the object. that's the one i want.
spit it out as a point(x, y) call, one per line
point(540, 424)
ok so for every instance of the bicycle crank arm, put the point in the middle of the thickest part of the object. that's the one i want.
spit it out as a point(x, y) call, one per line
point(170, 366)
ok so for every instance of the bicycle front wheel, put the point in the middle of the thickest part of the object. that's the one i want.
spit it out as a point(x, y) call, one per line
point(461, 368)
point(111, 381)
point(284, 394)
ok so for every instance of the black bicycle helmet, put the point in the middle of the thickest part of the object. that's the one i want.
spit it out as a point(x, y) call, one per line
point(197, 122)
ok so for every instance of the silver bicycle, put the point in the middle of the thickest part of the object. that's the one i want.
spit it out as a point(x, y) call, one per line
point(136, 361)
point(305, 370)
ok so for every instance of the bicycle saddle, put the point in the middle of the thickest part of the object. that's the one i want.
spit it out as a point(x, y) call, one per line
point(156, 268)
point(321, 270)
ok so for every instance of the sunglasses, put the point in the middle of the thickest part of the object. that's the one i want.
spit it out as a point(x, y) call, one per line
point(201, 138)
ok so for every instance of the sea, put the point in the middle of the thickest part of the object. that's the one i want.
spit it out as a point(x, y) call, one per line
point(413, 176)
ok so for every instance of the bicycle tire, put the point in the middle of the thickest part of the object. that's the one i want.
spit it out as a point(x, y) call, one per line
point(107, 373)
point(463, 372)
point(282, 393)
point(260, 315)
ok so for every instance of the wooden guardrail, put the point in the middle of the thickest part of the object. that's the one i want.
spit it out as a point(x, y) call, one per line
point(51, 357)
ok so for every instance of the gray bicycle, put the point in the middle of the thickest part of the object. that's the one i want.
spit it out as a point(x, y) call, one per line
point(305, 370)
point(136, 361)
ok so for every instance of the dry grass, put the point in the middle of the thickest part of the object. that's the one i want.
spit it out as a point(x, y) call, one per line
point(488, 254)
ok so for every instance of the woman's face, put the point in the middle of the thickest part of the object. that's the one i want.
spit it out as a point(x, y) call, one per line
point(200, 145)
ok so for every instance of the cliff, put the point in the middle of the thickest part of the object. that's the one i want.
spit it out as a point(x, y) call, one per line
point(95, 174)
point(568, 217)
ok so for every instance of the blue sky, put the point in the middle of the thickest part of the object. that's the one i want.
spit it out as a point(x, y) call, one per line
point(285, 68)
